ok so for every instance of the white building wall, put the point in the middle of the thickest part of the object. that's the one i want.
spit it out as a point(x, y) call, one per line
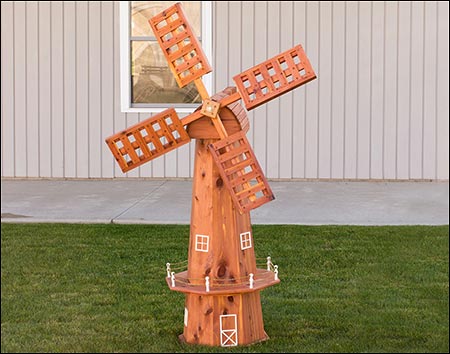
point(378, 110)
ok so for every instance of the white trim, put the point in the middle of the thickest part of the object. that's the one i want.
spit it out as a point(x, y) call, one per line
point(186, 314)
point(207, 34)
point(202, 242)
point(125, 89)
point(228, 334)
point(246, 240)
point(125, 93)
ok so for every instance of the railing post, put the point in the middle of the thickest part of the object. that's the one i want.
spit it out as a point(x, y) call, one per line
point(269, 262)
point(172, 278)
point(251, 280)
point(168, 269)
point(207, 284)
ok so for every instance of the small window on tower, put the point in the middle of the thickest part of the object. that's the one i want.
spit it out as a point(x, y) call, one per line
point(201, 243)
point(246, 240)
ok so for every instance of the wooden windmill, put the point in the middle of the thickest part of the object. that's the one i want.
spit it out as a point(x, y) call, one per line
point(222, 282)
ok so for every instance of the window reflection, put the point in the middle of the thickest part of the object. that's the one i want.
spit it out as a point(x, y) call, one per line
point(152, 81)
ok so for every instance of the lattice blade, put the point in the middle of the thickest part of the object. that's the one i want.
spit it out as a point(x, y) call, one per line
point(148, 139)
point(274, 77)
point(180, 46)
point(241, 172)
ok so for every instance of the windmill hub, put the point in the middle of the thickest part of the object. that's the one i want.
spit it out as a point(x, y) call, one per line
point(210, 108)
point(222, 278)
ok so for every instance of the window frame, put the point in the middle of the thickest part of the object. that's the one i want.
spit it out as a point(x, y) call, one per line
point(246, 240)
point(125, 63)
point(200, 242)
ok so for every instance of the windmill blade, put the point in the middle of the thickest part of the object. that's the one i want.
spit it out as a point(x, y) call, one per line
point(148, 140)
point(270, 79)
point(180, 46)
point(241, 172)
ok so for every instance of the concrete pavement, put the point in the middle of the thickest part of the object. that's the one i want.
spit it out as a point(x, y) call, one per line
point(169, 202)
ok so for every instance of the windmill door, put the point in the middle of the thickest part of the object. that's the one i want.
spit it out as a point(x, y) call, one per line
point(228, 330)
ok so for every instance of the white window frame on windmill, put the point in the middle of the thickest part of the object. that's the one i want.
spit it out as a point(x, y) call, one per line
point(125, 62)
point(246, 240)
point(200, 243)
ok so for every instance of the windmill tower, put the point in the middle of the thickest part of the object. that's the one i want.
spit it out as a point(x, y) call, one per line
point(222, 282)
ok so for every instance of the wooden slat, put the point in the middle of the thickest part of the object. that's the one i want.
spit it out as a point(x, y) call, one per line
point(237, 167)
point(243, 194)
point(255, 88)
point(225, 142)
point(154, 137)
point(243, 178)
point(130, 149)
point(233, 153)
point(292, 67)
point(246, 193)
point(187, 65)
point(246, 207)
point(170, 26)
point(267, 78)
point(179, 38)
point(176, 39)
point(279, 72)
point(184, 50)
point(141, 142)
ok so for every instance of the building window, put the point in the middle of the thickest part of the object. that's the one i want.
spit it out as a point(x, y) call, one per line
point(246, 240)
point(201, 243)
point(147, 84)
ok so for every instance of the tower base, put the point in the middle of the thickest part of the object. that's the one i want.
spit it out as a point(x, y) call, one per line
point(223, 320)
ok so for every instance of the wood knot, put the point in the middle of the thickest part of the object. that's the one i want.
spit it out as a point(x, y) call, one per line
point(219, 182)
point(221, 270)
point(203, 173)
point(208, 311)
point(230, 298)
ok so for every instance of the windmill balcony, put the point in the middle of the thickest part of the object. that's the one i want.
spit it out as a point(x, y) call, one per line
point(261, 279)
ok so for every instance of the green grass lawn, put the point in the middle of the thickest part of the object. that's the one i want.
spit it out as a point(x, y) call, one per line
point(101, 288)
